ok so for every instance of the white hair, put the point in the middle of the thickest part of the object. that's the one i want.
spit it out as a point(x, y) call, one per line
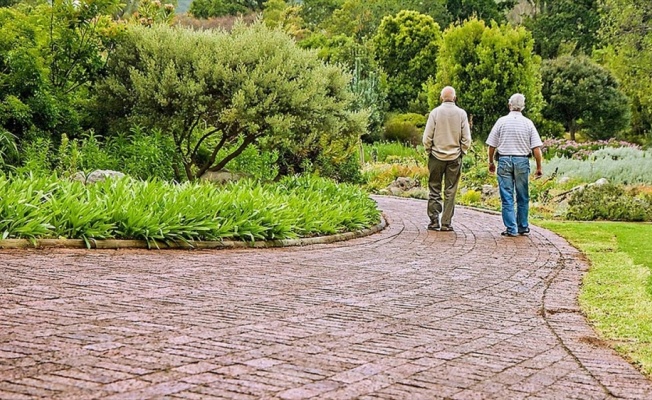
point(517, 102)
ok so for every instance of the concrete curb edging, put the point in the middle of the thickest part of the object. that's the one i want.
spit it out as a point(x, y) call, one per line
point(206, 245)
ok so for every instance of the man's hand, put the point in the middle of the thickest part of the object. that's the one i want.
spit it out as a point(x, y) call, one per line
point(538, 173)
point(492, 168)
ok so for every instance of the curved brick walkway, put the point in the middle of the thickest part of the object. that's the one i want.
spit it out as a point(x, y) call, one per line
point(403, 314)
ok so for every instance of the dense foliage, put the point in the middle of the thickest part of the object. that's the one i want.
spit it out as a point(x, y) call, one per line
point(628, 54)
point(209, 90)
point(218, 8)
point(406, 48)
point(49, 57)
point(583, 96)
point(565, 26)
point(610, 203)
point(487, 64)
point(46, 207)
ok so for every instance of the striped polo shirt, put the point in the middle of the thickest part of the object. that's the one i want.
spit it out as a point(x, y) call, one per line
point(514, 135)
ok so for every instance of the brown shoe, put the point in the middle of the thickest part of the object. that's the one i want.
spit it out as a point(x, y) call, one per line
point(446, 228)
point(433, 227)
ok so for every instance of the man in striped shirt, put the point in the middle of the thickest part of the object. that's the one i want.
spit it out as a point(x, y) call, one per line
point(511, 141)
point(446, 138)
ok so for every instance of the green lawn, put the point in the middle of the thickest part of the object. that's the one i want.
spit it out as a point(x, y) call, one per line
point(616, 294)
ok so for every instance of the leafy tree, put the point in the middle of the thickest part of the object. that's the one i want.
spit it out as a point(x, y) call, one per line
point(406, 48)
point(278, 14)
point(25, 99)
point(582, 95)
point(369, 83)
point(569, 25)
point(461, 10)
point(212, 90)
point(49, 56)
point(219, 8)
point(148, 12)
point(628, 54)
point(314, 12)
point(361, 19)
point(486, 65)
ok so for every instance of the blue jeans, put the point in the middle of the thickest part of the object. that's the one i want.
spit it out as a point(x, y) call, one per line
point(513, 174)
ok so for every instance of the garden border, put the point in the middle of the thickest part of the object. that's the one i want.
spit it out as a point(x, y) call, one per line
point(114, 244)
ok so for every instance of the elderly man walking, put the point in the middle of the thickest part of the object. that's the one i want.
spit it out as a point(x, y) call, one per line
point(511, 141)
point(446, 138)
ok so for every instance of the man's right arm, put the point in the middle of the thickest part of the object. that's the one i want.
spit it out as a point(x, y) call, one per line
point(491, 153)
point(428, 133)
point(492, 142)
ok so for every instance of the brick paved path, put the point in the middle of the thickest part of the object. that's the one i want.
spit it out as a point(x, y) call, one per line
point(403, 314)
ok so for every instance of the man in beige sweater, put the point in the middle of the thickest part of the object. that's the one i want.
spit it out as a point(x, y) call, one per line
point(447, 138)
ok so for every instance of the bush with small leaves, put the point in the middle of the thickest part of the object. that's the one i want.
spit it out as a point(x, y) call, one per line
point(611, 203)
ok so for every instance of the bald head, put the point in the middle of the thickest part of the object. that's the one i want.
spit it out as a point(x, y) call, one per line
point(447, 94)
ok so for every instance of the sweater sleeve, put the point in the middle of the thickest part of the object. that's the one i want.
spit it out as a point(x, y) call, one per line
point(429, 133)
point(466, 134)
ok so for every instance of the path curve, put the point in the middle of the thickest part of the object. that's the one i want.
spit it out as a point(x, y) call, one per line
point(403, 314)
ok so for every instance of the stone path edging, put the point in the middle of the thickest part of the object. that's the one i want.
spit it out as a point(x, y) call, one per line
point(113, 244)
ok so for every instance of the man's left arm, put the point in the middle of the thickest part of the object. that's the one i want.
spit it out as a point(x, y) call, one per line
point(465, 142)
point(538, 156)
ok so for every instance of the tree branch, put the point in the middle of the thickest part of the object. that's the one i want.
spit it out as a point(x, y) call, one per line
point(201, 140)
point(248, 140)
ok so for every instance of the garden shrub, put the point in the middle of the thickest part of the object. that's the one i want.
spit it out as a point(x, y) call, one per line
point(609, 202)
point(470, 198)
point(381, 151)
point(405, 128)
point(347, 170)
point(36, 157)
point(379, 177)
point(211, 89)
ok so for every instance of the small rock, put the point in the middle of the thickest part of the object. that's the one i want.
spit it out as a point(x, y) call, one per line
point(222, 176)
point(601, 182)
point(101, 175)
point(79, 177)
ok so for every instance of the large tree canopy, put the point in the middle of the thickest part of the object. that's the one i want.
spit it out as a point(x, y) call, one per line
point(584, 96)
point(406, 48)
point(569, 26)
point(486, 65)
point(213, 91)
point(361, 19)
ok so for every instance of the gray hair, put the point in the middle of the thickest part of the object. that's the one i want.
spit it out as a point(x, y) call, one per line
point(517, 102)
point(448, 93)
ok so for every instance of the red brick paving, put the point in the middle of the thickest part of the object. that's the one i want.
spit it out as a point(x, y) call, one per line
point(403, 314)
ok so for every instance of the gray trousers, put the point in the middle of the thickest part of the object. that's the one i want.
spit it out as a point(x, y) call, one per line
point(446, 174)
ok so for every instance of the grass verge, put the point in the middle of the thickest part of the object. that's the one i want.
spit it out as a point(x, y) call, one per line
point(616, 294)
